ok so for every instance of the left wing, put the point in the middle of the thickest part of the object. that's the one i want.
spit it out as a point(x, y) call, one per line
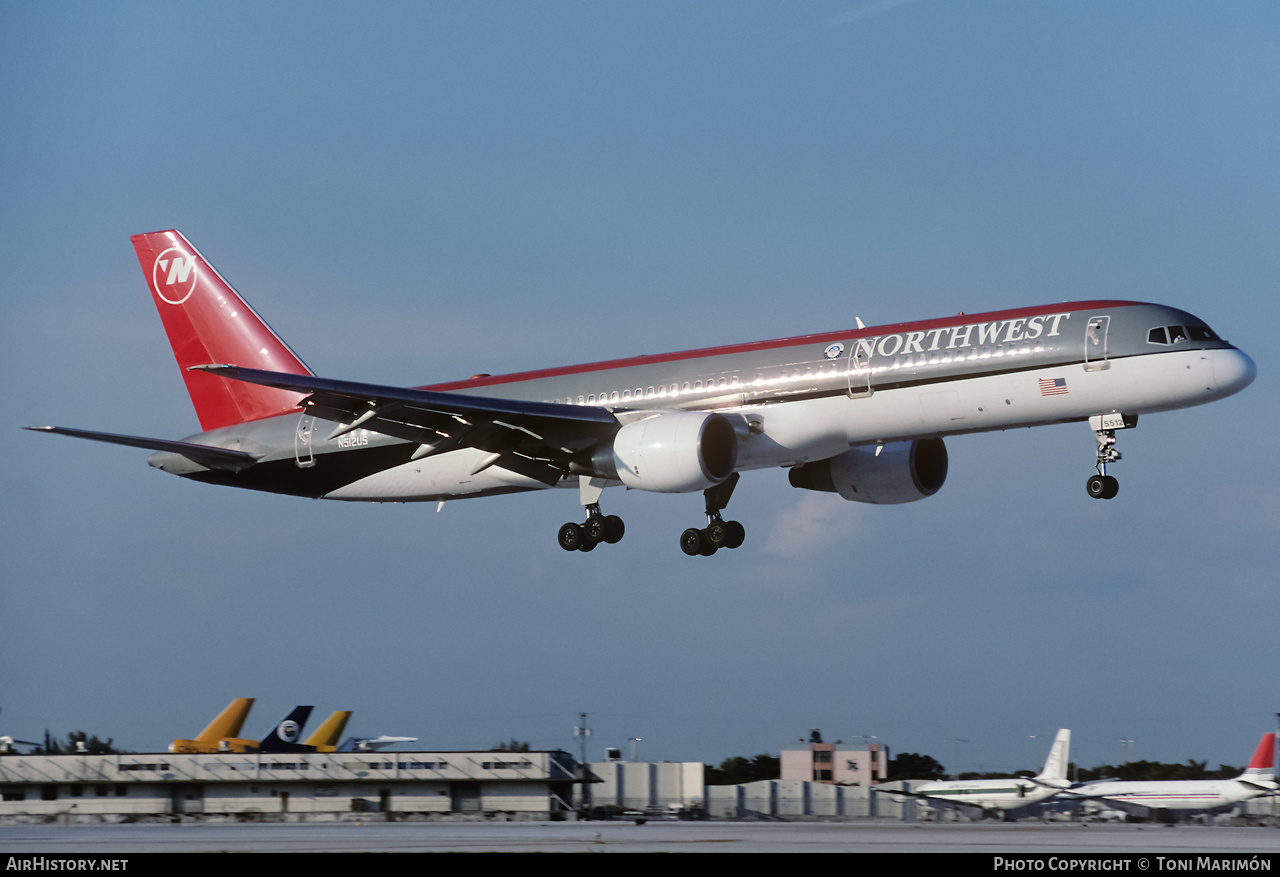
point(535, 439)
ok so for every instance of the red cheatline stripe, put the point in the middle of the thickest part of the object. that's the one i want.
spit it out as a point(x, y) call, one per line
point(823, 338)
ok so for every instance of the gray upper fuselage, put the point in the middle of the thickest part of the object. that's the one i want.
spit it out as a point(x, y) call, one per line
point(857, 361)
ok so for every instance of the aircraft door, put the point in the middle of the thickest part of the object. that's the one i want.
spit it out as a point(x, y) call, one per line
point(302, 450)
point(1095, 344)
point(860, 367)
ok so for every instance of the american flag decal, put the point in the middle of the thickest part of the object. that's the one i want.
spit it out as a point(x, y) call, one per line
point(1053, 386)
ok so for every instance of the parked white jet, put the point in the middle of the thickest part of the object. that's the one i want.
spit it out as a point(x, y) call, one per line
point(1258, 779)
point(1005, 794)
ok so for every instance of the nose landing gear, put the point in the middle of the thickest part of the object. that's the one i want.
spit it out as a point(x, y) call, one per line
point(1102, 485)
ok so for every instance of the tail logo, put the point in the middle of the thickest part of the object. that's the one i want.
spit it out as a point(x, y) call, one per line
point(173, 276)
point(288, 730)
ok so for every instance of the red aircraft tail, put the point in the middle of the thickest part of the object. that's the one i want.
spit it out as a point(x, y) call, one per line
point(208, 323)
point(1263, 756)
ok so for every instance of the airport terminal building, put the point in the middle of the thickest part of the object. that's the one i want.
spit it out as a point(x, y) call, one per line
point(532, 785)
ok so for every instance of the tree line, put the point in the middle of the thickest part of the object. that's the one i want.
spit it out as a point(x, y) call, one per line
point(916, 766)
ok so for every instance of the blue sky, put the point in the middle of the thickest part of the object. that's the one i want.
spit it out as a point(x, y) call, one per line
point(416, 192)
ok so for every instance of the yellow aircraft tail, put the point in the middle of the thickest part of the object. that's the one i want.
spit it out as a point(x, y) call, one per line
point(325, 738)
point(220, 735)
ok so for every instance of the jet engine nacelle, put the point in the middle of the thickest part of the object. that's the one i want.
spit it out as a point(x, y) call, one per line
point(678, 452)
point(901, 472)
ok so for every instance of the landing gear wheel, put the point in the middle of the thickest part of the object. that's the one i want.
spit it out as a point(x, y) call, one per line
point(736, 534)
point(572, 536)
point(708, 548)
point(1102, 486)
point(614, 529)
point(716, 534)
point(595, 528)
point(691, 542)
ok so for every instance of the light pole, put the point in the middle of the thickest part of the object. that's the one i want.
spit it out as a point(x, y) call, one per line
point(955, 752)
point(582, 732)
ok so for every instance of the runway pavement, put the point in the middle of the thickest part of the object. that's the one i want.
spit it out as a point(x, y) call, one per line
point(624, 837)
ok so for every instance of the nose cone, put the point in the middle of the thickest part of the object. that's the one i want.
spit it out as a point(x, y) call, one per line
point(1233, 370)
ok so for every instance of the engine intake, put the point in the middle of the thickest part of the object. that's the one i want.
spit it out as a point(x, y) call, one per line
point(902, 472)
point(678, 452)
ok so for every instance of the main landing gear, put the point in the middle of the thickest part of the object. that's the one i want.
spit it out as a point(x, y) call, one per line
point(718, 533)
point(1102, 485)
point(598, 527)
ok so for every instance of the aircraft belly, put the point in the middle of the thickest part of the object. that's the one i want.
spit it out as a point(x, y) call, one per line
point(440, 477)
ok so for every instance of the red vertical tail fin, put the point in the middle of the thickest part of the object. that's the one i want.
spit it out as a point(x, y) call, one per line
point(208, 322)
point(1264, 755)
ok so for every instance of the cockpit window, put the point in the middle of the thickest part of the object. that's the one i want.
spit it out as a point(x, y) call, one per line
point(1178, 334)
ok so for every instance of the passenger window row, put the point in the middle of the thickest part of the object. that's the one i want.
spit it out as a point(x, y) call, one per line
point(651, 393)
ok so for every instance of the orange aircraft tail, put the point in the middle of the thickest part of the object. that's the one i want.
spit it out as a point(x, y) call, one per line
point(325, 738)
point(221, 735)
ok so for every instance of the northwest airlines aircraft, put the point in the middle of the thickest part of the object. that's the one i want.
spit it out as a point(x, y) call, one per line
point(1257, 780)
point(861, 412)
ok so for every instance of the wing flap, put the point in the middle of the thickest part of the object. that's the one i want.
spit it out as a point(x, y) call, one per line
point(536, 439)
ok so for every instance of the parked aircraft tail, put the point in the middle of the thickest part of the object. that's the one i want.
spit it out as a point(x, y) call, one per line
point(1261, 769)
point(222, 734)
point(1055, 766)
point(284, 736)
point(325, 738)
point(208, 323)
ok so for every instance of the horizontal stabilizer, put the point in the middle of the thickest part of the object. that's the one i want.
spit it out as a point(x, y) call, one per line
point(205, 455)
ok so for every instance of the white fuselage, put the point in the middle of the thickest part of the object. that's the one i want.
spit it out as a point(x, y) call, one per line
point(989, 794)
point(1174, 795)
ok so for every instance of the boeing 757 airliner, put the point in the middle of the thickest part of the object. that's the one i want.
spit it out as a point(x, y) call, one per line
point(861, 412)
